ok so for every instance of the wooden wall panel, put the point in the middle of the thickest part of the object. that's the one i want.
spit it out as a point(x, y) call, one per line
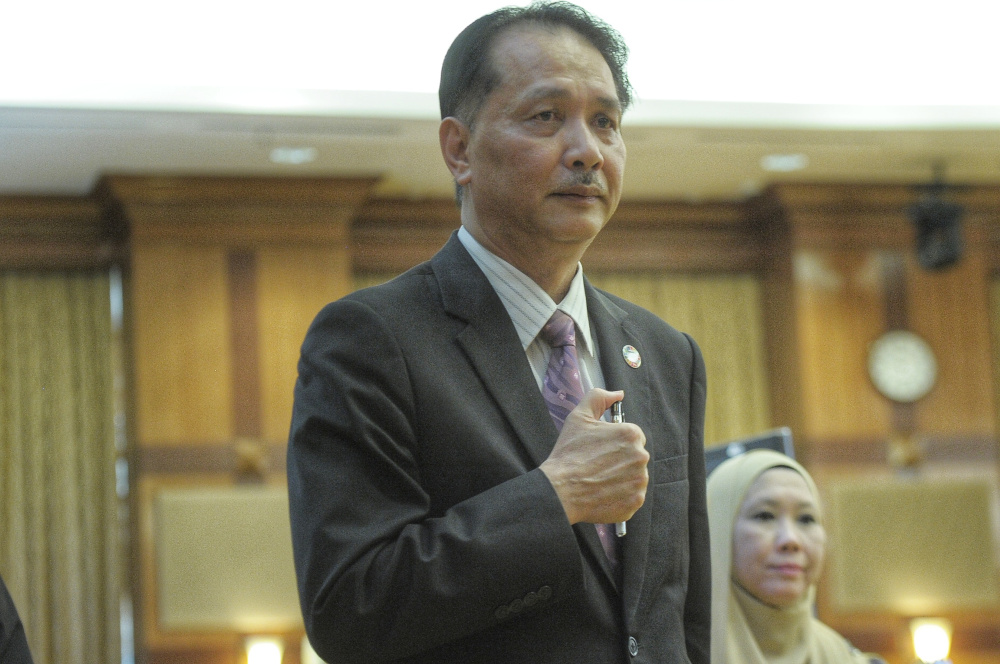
point(950, 309)
point(294, 283)
point(995, 343)
point(181, 333)
point(264, 254)
point(947, 564)
point(245, 581)
point(839, 301)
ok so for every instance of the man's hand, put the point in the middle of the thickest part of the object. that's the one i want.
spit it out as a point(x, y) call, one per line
point(598, 468)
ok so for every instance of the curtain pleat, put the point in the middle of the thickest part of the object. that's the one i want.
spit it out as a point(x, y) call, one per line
point(60, 539)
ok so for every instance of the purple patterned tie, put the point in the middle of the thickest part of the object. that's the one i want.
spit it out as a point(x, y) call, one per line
point(562, 390)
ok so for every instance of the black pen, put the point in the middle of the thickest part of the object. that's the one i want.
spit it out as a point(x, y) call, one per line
point(616, 416)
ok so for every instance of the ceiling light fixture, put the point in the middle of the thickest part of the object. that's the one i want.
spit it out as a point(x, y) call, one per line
point(784, 163)
point(294, 156)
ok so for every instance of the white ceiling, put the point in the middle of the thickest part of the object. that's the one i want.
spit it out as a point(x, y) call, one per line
point(875, 91)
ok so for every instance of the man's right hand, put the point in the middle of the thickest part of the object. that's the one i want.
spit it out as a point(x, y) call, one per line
point(598, 468)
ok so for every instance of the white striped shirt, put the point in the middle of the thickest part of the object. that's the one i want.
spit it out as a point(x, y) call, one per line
point(530, 307)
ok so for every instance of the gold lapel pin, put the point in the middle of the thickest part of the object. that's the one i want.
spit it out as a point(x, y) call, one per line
point(632, 357)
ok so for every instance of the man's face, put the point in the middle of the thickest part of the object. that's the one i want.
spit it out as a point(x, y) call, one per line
point(545, 153)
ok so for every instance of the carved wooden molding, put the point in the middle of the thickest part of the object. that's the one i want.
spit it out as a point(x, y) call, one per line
point(217, 457)
point(673, 236)
point(210, 189)
point(56, 232)
point(854, 196)
point(973, 450)
point(239, 212)
point(392, 235)
point(873, 215)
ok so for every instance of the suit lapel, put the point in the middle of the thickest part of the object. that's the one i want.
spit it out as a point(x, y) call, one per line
point(493, 347)
point(613, 331)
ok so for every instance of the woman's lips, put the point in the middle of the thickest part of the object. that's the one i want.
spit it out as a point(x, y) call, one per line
point(788, 569)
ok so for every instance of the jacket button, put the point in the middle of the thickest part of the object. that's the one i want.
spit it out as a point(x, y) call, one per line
point(531, 599)
point(501, 613)
point(633, 646)
point(545, 592)
point(516, 606)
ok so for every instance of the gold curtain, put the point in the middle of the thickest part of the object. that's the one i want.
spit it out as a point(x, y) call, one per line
point(60, 542)
point(723, 313)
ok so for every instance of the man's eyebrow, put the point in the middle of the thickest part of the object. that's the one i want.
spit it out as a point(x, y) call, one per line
point(556, 92)
point(611, 104)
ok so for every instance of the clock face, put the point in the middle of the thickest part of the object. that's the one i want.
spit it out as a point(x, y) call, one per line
point(902, 366)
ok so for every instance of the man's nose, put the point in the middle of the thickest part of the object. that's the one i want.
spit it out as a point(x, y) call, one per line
point(583, 149)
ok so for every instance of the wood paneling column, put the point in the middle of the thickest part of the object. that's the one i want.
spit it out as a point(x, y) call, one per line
point(226, 274)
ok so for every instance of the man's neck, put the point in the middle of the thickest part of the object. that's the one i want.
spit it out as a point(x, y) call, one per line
point(552, 268)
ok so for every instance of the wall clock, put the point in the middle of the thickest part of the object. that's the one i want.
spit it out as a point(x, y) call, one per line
point(902, 366)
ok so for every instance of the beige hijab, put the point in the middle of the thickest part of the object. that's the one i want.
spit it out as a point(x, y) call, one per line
point(745, 630)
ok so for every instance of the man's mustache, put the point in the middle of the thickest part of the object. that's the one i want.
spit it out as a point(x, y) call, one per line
point(584, 179)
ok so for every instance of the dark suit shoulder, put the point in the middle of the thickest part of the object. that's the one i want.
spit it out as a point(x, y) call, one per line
point(13, 641)
point(400, 286)
point(414, 290)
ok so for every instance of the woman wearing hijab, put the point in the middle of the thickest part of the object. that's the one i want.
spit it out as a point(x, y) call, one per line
point(768, 543)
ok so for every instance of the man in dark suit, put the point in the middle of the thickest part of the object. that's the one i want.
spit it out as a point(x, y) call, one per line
point(13, 642)
point(448, 461)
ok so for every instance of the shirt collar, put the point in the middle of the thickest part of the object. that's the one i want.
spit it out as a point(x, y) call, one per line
point(528, 305)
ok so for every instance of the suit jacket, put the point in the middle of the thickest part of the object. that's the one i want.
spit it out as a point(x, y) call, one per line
point(422, 528)
point(13, 641)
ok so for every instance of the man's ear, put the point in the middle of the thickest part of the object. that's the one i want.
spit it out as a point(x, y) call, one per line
point(454, 137)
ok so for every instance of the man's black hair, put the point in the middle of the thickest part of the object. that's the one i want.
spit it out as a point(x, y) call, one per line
point(468, 74)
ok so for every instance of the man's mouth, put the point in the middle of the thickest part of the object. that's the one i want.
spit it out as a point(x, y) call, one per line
point(581, 192)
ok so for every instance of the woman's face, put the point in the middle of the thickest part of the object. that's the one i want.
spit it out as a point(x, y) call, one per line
point(778, 541)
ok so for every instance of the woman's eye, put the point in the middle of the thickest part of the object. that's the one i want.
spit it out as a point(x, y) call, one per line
point(807, 519)
point(546, 116)
point(763, 516)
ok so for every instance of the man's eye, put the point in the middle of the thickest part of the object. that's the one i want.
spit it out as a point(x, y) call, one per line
point(807, 519)
point(763, 516)
point(604, 122)
point(546, 116)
